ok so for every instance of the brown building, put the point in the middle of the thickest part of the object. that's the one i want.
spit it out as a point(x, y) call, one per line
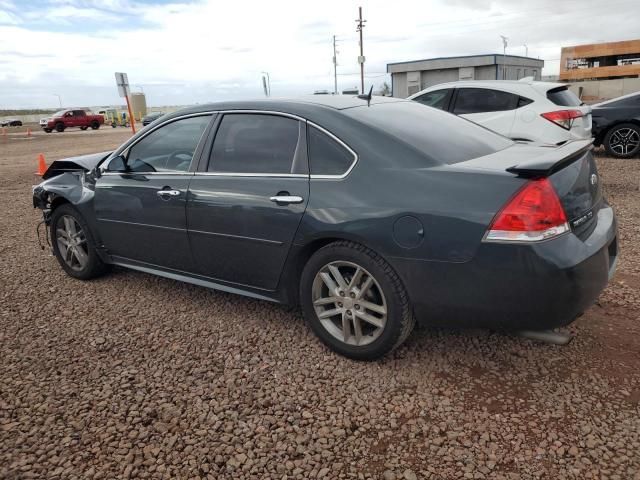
point(600, 61)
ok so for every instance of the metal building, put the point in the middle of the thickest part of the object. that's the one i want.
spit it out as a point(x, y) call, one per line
point(408, 78)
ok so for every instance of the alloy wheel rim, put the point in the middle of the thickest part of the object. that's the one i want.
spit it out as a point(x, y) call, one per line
point(624, 141)
point(349, 303)
point(72, 243)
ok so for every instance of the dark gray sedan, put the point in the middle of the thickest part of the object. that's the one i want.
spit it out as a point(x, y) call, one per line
point(367, 215)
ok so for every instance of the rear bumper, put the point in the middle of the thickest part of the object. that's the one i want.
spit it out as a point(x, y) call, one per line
point(514, 287)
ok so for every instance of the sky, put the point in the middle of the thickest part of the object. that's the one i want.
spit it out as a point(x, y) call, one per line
point(182, 52)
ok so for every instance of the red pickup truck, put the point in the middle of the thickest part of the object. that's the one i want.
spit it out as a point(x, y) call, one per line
point(71, 118)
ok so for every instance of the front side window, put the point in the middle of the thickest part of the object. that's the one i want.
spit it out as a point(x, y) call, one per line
point(438, 99)
point(327, 156)
point(255, 143)
point(170, 148)
point(480, 100)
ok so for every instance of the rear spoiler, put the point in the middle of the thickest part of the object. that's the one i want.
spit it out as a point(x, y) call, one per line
point(553, 160)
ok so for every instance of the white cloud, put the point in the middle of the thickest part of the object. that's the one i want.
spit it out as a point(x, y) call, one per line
point(185, 53)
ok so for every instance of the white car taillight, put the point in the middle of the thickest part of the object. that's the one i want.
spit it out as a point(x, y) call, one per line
point(563, 118)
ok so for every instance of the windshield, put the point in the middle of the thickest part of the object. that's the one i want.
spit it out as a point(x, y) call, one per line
point(58, 113)
point(441, 136)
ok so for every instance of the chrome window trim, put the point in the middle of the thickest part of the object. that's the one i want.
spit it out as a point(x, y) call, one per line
point(351, 150)
point(239, 174)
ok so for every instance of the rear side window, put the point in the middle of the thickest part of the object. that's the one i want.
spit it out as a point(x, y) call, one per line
point(479, 100)
point(438, 99)
point(564, 97)
point(439, 136)
point(254, 143)
point(523, 101)
point(327, 156)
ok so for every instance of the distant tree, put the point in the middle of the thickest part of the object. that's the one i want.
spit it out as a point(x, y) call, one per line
point(385, 90)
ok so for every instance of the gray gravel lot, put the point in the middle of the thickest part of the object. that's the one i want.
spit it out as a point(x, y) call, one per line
point(133, 376)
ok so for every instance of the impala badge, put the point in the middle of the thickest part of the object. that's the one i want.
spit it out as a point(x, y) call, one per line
point(594, 179)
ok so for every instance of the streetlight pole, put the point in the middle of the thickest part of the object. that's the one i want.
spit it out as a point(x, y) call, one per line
point(268, 84)
point(526, 50)
point(504, 56)
point(335, 68)
point(361, 25)
point(59, 99)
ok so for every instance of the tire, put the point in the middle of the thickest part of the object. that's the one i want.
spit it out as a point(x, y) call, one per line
point(87, 267)
point(623, 140)
point(59, 127)
point(95, 125)
point(47, 130)
point(83, 128)
point(386, 293)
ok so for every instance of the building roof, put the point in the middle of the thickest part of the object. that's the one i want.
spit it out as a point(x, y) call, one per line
point(461, 61)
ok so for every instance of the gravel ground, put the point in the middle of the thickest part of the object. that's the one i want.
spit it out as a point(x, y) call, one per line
point(133, 376)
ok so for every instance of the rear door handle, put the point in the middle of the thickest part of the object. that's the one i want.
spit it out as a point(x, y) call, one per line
point(168, 193)
point(286, 199)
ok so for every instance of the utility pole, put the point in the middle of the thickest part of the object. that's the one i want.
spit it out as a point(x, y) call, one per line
point(504, 56)
point(526, 50)
point(335, 67)
point(361, 25)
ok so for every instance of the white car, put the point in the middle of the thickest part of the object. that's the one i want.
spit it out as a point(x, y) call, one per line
point(522, 110)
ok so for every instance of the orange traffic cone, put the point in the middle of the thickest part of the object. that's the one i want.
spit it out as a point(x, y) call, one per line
point(4, 134)
point(42, 165)
point(28, 132)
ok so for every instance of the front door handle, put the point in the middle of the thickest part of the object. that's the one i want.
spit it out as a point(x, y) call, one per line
point(286, 199)
point(166, 194)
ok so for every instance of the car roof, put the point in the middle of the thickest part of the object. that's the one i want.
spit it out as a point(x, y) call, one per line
point(510, 85)
point(333, 102)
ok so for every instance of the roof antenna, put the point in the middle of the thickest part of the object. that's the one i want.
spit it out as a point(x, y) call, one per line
point(367, 97)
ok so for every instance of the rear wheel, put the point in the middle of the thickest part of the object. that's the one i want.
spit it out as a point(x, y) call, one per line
point(354, 301)
point(73, 244)
point(59, 127)
point(623, 141)
point(95, 125)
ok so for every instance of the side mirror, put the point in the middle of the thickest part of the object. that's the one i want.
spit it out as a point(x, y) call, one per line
point(117, 164)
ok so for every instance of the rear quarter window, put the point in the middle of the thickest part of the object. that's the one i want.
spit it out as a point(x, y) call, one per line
point(440, 136)
point(564, 97)
point(326, 155)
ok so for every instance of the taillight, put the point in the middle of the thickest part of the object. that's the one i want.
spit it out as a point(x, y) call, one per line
point(534, 213)
point(563, 118)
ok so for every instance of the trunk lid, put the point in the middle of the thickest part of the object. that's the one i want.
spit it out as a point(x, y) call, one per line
point(566, 99)
point(571, 168)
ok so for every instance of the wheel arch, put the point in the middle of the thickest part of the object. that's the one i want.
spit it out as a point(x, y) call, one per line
point(300, 255)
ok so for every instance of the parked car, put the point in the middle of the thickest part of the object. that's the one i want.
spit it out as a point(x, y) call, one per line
point(616, 125)
point(64, 119)
point(522, 110)
point(362, 214)
point(10, 122)
point(152, 117)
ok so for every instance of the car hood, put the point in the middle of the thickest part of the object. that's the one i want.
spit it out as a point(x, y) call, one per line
point(74, 164)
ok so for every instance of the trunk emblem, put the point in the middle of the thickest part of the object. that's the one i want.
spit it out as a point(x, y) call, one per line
point(594, 179)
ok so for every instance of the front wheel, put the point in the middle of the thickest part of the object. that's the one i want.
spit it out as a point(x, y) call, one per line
point(73, 244)
point(60, 127)
point(354, 301)
point(623, 141)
